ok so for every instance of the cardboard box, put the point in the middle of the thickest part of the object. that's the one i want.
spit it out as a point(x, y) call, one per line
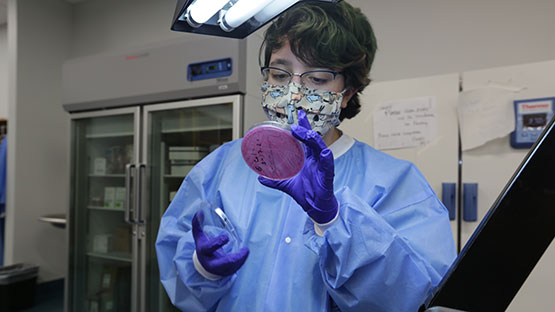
point(122, 239)
point(109, 197)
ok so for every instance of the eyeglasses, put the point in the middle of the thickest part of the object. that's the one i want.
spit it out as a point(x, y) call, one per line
point(314, 79)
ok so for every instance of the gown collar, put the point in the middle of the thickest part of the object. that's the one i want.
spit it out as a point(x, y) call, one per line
point(341, 145)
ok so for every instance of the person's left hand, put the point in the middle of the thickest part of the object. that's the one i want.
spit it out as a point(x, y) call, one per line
point(209, 250)
point(312, 188)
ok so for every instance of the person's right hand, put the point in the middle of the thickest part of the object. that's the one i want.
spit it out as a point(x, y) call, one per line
point(312, 188)
point(209, 253)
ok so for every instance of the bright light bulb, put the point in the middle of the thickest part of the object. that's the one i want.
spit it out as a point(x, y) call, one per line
point(241, 12)
point(274, 9)
point(202, 10)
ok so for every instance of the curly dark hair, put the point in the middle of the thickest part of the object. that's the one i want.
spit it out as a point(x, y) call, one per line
point(322, 34)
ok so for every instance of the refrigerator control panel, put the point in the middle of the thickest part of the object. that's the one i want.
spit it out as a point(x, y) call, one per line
point(531, 117)
point(209, 69)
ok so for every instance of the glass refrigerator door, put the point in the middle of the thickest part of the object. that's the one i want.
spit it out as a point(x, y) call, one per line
point(178, 136)
point(101, 248)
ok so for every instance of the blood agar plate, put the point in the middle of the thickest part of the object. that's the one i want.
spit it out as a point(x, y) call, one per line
point(270, 150)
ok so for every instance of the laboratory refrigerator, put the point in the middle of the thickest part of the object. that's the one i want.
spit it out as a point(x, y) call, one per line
point(140, 120)
point(467, 181)
point(127, 165)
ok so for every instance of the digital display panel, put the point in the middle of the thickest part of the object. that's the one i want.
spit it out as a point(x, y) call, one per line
point(534, 120)
point(210, 69)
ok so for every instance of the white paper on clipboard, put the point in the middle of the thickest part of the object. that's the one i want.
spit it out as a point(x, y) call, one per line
point(405, 123)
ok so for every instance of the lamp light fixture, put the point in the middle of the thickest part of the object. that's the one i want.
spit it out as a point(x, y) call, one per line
point(240, 12)
point(229, 18)
point(201, 11)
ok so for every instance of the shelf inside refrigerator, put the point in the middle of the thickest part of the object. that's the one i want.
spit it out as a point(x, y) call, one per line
point(109, 126)
point(116, 256)
point(109, 135)
point(102, 208)
point(115, 175)
point(203, 118)
point(197, 128)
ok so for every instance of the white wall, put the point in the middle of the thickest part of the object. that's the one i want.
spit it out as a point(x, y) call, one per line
point(117, 25)
point(429, 37)
point(415, 38)
point(3, 71)
point(37, 181)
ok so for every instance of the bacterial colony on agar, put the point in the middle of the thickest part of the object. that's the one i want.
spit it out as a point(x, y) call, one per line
point(272, 152)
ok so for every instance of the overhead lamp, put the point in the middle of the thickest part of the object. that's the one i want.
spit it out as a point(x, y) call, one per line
point(229, 18)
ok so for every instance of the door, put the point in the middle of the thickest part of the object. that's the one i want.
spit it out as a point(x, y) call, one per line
point(437, 159)
point(102, 252)
point(501, 160)
point(177, 135)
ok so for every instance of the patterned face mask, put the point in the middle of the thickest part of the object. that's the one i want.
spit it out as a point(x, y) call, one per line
point(322, 108)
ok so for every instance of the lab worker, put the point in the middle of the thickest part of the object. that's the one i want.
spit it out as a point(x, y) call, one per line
point(355, 230)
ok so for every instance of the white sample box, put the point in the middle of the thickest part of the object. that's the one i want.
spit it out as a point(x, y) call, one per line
point(109, 197)
point(101, 243)
point(99, 166)
point(119, 199)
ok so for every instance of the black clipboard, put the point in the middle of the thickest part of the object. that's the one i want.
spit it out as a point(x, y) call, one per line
point(509, 241)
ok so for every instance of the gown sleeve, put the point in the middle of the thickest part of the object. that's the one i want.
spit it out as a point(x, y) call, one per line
point(383, 257)
point(186, 288)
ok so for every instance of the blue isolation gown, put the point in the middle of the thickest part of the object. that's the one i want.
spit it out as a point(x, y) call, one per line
point(390, 245)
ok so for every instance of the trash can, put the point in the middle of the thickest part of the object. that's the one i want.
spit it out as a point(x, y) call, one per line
point(18, 286)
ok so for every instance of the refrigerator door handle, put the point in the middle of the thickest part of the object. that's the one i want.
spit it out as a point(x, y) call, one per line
point(138, 192)
point(128, 169)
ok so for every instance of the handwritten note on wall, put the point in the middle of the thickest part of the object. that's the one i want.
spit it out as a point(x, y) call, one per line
point(405, 123)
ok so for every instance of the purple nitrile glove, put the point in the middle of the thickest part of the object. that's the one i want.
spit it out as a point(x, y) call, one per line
point(312, 188)
point(209, 253)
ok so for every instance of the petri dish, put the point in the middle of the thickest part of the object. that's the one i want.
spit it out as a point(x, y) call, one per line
point(271, 151)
